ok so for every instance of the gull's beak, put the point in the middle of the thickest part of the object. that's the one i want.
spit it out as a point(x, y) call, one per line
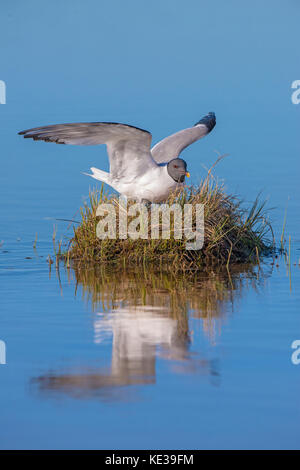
point(187, 174)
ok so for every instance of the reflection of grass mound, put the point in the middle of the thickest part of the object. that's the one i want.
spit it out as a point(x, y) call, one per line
point(150, 314)
point(204, 293)
point(231, 233)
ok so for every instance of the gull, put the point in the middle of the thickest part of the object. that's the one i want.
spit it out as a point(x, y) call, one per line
point(136, 171)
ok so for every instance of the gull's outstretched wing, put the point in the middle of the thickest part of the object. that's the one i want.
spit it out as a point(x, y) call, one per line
point(128, 147)
point(172, 146)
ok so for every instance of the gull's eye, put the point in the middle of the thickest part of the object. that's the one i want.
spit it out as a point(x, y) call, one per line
point(175, 166)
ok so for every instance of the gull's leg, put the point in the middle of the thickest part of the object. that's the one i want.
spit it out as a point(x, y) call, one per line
point(146, 202)
point(138, 200)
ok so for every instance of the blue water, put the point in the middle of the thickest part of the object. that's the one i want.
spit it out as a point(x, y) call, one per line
point(131, 361)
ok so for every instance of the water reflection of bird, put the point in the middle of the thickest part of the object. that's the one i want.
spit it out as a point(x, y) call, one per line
point(137, 333)
point(136, 170)
point(145, 316)
point(140, 335)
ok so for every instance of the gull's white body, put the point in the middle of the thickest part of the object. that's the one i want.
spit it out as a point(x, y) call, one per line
point(155, 185)
point(136, 170)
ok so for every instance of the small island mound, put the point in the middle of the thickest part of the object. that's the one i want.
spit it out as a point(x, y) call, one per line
point(232, 233)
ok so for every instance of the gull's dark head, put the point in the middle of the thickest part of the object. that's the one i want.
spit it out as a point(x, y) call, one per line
point(177, 170)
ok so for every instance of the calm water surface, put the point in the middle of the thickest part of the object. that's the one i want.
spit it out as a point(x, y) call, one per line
point(140, 360)
point(97, 359)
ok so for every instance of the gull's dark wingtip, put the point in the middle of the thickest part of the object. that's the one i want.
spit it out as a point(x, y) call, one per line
point(209, 121)
point(21, 132)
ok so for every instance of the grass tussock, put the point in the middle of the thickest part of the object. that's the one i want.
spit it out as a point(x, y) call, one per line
point(232, 234)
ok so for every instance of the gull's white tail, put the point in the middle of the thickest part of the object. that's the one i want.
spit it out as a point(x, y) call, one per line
point(99, 175)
